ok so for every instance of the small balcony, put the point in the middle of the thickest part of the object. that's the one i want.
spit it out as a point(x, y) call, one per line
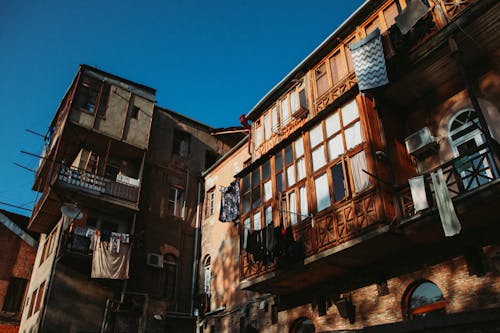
point(123, 188)
point(465, 176)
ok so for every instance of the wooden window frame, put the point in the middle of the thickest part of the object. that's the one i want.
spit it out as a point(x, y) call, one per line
point(344, 158)
point(210, 202)
point(178, 202)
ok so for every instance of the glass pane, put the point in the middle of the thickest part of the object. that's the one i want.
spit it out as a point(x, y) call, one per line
point(246, 202)
point(335, 147)
point(278, 161)
point(301, 169)
point(258, 136)
point(349, 112)
point(303, 202)
point(246, 226)
point(267, 127)
point(279, 182)
point(337, 67)
point(318, 158)
point(293, 101)
point(255, 177)
point(424, 294)
point(303, 99)
point(339, 191)
point(266, 170)
point(256, 197)
point(284, 111)
point(353, 135)
point(293, 207)
point(316, 135)
point(245, 184)
point(348, 55)
point(332, 124)
point(256, 221)
point(360, 178)
point(321, 80)
point(274, 119)
point(290, 176)
point(288, 155)
point(299, 147)
point(268, 213)
point(322, 193)
point(268, 190)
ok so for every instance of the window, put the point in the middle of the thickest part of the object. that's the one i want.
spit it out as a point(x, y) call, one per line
point(334, 69)
point(182, 143)
point(206, 275)
point(134, 112)
point(103, 100)
point(32, 303)
point(176, 202)
point(14, 296)
point(258, 133)
point(210, 203)
point(322, 84)
point(372, 26)
point(88, 92)
point(337, 143)
point(39, 297)
point(424, 299)
point(303, 325)
point(337, 67)
point(48, 246)
point(465, 135)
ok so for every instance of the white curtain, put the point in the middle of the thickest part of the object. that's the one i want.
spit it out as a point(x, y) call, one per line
point(360, 178)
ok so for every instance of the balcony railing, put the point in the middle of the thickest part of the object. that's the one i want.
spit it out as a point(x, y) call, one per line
point(344, 222)
point(462, 174)
point(97, 184)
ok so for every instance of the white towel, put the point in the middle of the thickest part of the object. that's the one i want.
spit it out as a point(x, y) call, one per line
point(449, 219)
point(417, 188)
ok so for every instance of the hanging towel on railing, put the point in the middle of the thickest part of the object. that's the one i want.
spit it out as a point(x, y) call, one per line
point(107, 264)
point(230, 203)
point(449, 219)
point(418, 194)
point(369, 62)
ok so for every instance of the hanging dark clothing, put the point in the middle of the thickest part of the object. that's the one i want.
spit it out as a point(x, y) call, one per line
point(230, 203)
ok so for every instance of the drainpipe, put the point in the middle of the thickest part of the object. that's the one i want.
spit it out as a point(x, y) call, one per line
point(195, 246)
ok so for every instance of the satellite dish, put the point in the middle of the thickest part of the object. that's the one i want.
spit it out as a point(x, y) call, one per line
point(71, 210)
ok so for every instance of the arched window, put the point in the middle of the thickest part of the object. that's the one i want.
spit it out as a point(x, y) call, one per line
point(206, 274)
point(424, 299)
point(303, 325)
point(465, 137)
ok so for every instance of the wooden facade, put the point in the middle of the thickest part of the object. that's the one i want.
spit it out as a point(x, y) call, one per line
point(329, 162)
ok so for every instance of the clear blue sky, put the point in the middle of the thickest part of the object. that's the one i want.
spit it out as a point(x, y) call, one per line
point(210, 60)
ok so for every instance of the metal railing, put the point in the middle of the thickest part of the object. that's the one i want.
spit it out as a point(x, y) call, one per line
point(97, 184)
point(462, 174)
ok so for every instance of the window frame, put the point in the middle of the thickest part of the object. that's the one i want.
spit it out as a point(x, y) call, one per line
point(210, 202)
point(178, 202)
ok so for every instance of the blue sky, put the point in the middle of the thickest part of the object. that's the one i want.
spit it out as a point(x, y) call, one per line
point(210, 60)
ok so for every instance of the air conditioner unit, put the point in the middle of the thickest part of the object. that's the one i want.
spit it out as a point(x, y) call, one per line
point(155, 260)
point(420, 142)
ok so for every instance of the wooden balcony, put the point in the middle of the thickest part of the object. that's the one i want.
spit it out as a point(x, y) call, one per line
point(354, 239)
point(344, 224)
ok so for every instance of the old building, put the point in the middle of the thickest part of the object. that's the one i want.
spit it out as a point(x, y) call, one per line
point(368, 204)
point(16, 263)
point(119, 182)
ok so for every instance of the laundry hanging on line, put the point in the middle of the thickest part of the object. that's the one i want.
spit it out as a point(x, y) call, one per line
point(230, 203)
